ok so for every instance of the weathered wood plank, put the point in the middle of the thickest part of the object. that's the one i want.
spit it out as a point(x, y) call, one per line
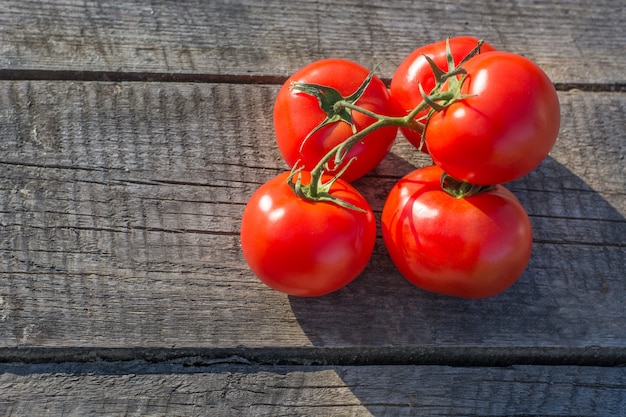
point(120, 208)
point(376, 391)
point(123, 290)
point(574, 41)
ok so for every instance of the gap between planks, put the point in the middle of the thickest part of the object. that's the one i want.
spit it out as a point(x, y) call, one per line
point(324, 356)
point(109, 76)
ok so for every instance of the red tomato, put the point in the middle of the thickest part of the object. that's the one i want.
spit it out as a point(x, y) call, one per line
point(306, 248)
point(504, 130)
point(473, 247)
point(296, 114)
point(416, 70)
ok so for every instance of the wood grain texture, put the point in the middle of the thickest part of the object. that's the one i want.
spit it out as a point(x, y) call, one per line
point(370, 391)
point(574, 41)
point(123, 290)
point(120, 206)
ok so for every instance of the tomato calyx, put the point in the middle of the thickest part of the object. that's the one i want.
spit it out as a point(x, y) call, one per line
point(318, 190)
point(331, 102)
point(447, 89)
point(461, 189)
point(453, 70)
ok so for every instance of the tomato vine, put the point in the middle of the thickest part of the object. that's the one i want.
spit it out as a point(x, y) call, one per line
point(484, 116)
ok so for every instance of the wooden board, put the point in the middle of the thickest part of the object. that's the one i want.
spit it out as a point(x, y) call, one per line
point(131, 136)
point(375, 391)
point(206, 40)
point(121, 203)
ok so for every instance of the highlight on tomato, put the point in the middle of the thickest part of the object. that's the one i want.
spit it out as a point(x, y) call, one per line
point(504, 126)
point(302, 247)
point(416, 71)
point(471, 247)
point(306, 132)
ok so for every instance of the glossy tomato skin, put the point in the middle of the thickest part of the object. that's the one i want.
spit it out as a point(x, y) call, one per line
point(416, 70)
point(297, 113)
point(505, 129)
point(473, 247)
point(305, 248)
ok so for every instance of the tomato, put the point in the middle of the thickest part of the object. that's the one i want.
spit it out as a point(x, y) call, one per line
point(296, 114)
point(504, 130)
point(473, 247)
point(306, 248)
point(416, 70)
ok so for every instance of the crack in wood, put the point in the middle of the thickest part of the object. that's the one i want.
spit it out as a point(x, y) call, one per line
point(122, 76)
point(459, 356)
point(182, 77)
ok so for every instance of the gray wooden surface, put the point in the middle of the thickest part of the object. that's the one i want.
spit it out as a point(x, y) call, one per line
point(131, 136)
point(79, 390)
point(573, 40)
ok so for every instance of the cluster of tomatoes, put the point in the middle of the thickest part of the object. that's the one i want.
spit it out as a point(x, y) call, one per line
point(486, 117)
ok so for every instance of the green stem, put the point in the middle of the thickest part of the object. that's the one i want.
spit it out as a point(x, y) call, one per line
point(348, 105)
point(340, 151)
point(405, 121)
point(345, 146)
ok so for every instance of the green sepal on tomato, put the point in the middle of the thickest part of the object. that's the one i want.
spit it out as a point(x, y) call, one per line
point(503, 128)
point(297, 114)
point(416, 71)
point(306, 248)
point(472, 247)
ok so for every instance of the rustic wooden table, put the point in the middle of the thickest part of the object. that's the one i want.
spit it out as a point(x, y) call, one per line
point(132, 134)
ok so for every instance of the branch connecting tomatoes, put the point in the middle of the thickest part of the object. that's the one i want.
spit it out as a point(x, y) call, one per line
point(486, 117)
